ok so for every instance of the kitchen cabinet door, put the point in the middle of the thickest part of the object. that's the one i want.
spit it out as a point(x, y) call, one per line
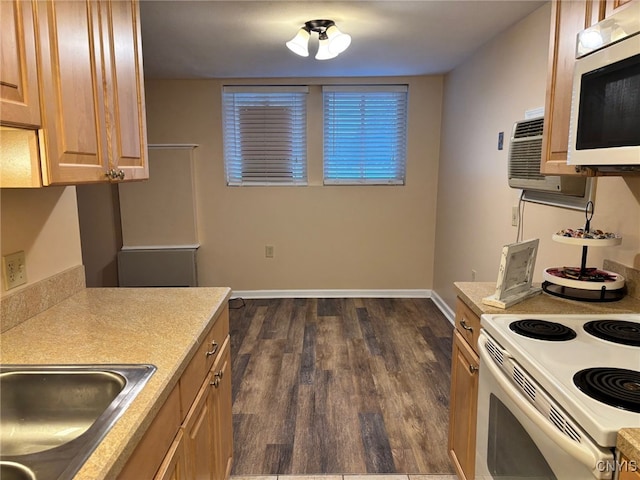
point(613, 6)
point(126, 120)
point(19, 95)
point(568, 17)
point(222, 414)
point(151, 452)
point(463, 408)
point(174, 465)
point(198, 431)
point(74, 116)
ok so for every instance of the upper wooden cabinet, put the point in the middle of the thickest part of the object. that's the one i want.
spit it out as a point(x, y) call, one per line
point(93, 124)
point(568, 17)
point(126, 117)
point(611, 6)
point(19, 96)
point(93, 109)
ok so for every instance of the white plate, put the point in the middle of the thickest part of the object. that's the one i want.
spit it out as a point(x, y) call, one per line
point(583, 285)
point(588, 242)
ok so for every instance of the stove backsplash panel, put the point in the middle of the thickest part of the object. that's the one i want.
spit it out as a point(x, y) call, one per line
point(631, 276)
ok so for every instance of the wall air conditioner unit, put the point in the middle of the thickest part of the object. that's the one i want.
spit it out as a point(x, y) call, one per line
point(525, 154)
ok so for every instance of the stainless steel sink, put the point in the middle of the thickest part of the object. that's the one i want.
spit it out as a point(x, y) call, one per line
point(53, 416)
point(15, 471)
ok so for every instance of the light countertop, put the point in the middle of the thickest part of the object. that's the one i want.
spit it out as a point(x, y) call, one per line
point(628, 443)
point(472, 293)
point(160, 326)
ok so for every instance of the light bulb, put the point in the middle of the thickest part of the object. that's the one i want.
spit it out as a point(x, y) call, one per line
point(323, 50)
point(338, 41)
point(591, 39)
point(300, 43)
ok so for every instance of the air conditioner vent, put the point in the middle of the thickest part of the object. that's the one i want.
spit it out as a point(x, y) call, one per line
point(529, 128)
point(525, 156)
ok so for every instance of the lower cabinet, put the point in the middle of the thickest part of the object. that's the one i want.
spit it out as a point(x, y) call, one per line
point(174, 465)
point(208, 426)
point(191, 437)
point(629, 470)
point(463, 401)
point(198, 430)
point(221, 405)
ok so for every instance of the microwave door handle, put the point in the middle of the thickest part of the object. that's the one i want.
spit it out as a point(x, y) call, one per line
point(587, 453)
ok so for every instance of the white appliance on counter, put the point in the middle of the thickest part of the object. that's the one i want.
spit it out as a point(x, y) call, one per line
point(553, 392)
point(605, 104)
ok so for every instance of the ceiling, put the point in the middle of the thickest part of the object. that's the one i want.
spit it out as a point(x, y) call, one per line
point(246, 39)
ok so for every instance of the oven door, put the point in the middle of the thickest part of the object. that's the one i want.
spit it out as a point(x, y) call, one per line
point(515, 437)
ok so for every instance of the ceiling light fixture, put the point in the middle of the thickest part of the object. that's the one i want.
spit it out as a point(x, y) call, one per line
point(332, 41)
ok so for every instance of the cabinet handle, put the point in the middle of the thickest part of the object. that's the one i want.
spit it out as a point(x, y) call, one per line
point(214, 348)
point(473, 369)
point(218, 377)
point(114, 174)
point(465, 326)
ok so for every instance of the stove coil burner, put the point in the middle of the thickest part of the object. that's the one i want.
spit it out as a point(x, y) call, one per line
point(542, 330)
point(617, 331)
point(617, 387)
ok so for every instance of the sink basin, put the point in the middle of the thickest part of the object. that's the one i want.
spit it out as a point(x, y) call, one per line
point(41, 410)
point(53, 416)
point(15, 471)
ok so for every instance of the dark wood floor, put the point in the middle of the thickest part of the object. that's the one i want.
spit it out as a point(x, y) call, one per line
point(340, 386)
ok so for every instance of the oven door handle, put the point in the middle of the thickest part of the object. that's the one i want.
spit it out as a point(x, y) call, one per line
point(587, 452)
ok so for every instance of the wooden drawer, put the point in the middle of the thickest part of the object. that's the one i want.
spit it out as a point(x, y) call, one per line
point(468, 324)
point(202, 362)
point(150, 452)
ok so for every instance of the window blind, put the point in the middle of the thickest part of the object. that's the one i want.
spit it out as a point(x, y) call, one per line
point(265, 135)
point(365, 134)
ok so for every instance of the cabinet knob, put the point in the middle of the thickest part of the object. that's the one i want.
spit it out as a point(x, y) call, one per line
point(473, 369)
point(217, 377)
point(465, 326)
point(214, 349)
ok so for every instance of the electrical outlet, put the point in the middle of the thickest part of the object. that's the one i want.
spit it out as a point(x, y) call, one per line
point(268, 251)
point(514, 216)
point(473, 275)
point(14, 270)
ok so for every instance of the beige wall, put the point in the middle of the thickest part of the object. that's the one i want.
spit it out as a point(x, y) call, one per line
point(44, 223)
point(339, 237)
point(100, 232)
point(482, 97)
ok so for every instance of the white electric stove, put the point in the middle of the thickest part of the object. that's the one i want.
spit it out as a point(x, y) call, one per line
point(575, 377)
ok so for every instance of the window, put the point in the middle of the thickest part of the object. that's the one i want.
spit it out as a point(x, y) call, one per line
point(265, 135)
point(365, 134)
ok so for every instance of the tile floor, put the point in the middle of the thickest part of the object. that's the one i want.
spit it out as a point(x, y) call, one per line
point(345, 477)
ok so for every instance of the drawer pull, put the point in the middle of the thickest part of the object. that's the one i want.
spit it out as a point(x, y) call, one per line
point(465, 326)
point(473, 369)
point(214, 348)
point(218, 377)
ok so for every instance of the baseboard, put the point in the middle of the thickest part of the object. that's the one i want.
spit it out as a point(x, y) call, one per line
point(252, 294)
point(446, 310)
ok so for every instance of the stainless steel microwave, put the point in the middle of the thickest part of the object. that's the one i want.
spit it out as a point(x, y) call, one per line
point(604, 129)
